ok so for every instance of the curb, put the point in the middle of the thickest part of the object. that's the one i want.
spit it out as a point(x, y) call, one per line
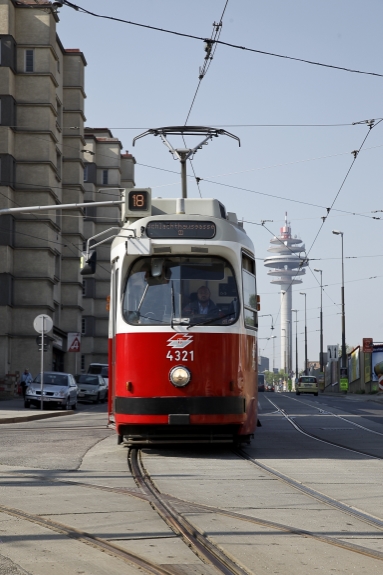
point(23, 418)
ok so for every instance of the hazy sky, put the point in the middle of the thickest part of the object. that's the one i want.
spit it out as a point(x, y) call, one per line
point(138, 78)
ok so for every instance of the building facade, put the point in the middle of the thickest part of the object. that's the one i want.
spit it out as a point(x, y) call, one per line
point(106, 173)
point(42, 161)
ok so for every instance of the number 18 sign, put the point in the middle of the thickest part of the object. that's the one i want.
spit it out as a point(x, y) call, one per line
point(74, 342)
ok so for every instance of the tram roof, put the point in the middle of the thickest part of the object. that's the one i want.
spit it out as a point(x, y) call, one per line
point(169, 209)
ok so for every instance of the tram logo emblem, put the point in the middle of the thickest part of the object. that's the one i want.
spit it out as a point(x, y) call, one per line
point(180, 340)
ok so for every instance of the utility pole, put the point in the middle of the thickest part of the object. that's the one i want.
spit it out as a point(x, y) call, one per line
point(321, 321)
point(306, 366)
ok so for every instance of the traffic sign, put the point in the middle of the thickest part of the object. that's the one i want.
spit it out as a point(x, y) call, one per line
point(74, 342)
point(43, 323)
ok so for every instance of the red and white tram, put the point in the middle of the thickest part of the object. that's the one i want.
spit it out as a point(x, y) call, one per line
point(183, 324)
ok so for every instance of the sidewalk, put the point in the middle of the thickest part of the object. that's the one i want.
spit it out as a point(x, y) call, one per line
point(375, 397)
point(13, 411)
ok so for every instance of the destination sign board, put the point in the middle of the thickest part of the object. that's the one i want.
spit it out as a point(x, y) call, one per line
point(181, 229)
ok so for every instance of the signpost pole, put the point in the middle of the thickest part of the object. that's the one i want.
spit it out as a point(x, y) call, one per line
point(42, 365)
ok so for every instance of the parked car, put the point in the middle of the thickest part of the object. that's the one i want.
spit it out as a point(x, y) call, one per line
point(261, 382)
point(91, 388)
point(100, 369)
point(59, 389)
point(307, 384)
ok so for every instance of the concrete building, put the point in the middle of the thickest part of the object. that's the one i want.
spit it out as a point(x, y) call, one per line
point(41, 141)
point(263, 364)
point(106, 171)
point(43, 162)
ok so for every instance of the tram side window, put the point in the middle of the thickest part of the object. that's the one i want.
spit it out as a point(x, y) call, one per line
point(181, 291)
point(249, 292)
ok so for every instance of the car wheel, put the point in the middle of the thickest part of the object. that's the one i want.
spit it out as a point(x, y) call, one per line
point(74, 406)
point(27, 404)
point(67, 406)
point(97, 400)
point(297, 393)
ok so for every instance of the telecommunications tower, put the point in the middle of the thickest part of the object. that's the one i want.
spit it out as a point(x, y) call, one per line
point(287, 265)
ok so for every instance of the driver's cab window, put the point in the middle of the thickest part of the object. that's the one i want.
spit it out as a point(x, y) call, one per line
point(249, 292)
point(181, 290)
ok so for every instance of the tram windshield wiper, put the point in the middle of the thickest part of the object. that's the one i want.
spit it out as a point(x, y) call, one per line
point(211, 319)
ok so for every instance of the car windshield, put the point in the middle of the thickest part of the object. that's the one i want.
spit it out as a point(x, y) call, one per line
point(181, 290)
point(53, 379)
point(308, 379)
point(87, 379)
point(104, 372)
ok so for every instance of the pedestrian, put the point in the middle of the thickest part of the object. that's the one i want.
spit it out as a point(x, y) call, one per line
point(25, 380)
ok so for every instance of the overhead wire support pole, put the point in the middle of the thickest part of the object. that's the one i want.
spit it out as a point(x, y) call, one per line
point(184, 154)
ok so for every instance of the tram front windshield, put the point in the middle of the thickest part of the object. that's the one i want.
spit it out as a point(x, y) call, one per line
point(181, 291)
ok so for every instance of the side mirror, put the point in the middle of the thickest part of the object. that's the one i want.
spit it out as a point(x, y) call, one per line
point(157, 265)
point(88, 262)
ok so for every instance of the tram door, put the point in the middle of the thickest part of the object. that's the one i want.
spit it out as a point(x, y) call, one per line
point(113, 332)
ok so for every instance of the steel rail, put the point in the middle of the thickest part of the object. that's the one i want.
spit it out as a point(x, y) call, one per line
point(174, 501)
point(197, 541)
point(283, 527)
point(318, 438)
point(330, 501)
point(342, 417)
point(88, 539)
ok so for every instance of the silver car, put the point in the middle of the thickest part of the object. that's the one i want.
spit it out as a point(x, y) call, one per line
point(59, 389)
point(91, 388)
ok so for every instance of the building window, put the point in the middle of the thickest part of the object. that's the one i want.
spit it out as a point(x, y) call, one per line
point(0, 104)
point(105, 177)
point(83, 287)
point(82, 362)
point(58, 66)
point(29, 60)
point(83, 326)
point(86, 173)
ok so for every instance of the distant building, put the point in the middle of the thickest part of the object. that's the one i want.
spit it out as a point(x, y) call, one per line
point(263, 364)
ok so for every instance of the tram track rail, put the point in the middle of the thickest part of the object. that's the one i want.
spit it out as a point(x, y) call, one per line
point(173, 510)
point(342, 417)
point(88, 539)
point(195, 539)
point(296, 425)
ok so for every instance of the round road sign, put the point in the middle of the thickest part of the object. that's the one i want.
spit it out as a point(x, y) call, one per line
point(43, 323)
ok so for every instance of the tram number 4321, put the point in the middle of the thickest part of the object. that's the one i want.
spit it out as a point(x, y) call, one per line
point(180, 355)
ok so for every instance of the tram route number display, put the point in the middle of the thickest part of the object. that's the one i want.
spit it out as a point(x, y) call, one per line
point(180, 355)
point(138, 201)
point(181, 229)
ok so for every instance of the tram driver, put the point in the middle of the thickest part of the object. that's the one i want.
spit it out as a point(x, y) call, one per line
point(203, 305)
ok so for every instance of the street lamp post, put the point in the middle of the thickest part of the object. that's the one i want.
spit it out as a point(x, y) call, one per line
point(303, 293)
point(271, 337)
point(338, 233)
point(296, 343)
point(285, 354)
point(321, 320)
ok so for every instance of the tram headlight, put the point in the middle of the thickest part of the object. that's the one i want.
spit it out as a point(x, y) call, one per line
point(179, 376)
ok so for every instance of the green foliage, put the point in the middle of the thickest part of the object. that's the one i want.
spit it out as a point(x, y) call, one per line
point(270, 376)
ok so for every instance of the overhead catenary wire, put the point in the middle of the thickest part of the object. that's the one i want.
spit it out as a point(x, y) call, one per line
point(221, 42)
point(210, 48)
